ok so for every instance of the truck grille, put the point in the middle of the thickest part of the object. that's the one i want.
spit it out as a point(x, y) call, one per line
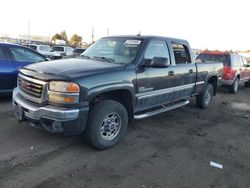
point(32, 89)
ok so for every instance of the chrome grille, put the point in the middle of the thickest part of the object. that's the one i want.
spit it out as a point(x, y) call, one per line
point(32, 89)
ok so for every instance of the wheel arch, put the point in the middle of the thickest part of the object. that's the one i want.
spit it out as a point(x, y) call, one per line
point(124, 95)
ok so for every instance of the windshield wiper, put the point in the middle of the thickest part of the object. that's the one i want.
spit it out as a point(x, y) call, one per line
point(85, 56)
point(105, 59)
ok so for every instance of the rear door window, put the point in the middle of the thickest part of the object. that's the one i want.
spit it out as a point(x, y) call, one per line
point(181, 54)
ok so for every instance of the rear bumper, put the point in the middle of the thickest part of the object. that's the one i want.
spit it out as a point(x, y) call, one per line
point(54, 119)
point(227, 82)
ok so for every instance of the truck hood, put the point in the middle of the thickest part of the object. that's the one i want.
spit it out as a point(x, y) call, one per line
point(73, 68)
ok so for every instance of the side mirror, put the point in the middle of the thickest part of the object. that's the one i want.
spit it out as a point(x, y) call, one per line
point(157, 62)
point(47, 59)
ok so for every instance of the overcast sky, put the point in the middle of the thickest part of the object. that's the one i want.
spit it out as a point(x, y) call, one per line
point(213, 24)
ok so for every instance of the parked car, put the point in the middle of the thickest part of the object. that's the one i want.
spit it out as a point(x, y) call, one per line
point(117, 79)
point(236, 68)
point(63, 50)
point(13, 57)
point(45, 50)
point(77, 52)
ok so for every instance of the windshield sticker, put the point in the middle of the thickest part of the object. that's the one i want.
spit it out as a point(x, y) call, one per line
point(132, 42)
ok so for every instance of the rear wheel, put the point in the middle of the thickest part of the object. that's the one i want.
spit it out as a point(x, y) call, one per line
point(234, 88)
point(107, 124)
point(204, 100)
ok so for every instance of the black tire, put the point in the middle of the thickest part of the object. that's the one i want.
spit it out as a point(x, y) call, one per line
point(235, 86)
point(102, 118)
point(247, 84)
point(204, 100)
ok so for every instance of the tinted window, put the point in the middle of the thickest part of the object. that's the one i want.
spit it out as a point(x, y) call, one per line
point(25, 55)
point(181, 54)
point(157, 48)
point(32, 47)
point(2, 54)
point(58, 48)
point(79, 51)
point(224, 58)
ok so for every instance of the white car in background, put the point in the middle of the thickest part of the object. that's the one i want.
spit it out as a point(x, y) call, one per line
point(45, 50)
point(63, 50)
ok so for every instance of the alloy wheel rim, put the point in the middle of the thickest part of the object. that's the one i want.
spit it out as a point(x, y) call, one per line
point(110, 126)
point(208, 96)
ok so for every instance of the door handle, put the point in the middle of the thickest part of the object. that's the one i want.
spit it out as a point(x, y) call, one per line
point(191, 71)
point(171, 73)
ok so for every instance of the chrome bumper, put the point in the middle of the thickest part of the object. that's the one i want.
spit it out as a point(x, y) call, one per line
point(46, 112)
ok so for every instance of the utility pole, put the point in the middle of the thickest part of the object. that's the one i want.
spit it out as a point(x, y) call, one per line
point(107, 31)
point(92, 36)
point(29, 32)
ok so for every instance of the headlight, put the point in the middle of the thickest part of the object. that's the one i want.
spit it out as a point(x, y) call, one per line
point(66, 87)
point(63, 92)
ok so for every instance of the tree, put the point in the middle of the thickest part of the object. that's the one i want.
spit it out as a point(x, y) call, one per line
point(75, 40)
point(56, 36)
point(64, 37)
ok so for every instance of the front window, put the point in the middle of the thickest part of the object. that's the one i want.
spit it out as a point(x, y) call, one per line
point(117, 50)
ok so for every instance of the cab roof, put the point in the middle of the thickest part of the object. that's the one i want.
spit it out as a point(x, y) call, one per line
point(146, 37)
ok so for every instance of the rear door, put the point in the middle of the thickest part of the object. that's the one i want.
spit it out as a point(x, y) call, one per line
point(7, 71)
point(184, 70)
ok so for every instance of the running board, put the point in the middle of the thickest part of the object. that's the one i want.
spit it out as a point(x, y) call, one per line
point(161, 110)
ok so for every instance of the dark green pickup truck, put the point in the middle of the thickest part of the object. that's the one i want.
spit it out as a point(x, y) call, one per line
point(116, 80)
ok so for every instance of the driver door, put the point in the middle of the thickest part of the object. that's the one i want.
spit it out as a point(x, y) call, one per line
point(154, 85)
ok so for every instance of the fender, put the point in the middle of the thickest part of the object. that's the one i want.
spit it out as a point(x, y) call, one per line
point(113, 86)
point(210, 75)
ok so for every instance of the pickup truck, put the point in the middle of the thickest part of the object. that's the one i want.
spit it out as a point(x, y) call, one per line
point(115, 80)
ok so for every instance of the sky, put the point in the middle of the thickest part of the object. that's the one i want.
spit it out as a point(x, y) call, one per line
point(212, 24)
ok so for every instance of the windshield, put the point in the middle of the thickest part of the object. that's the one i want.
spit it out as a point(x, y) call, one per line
point(45, 48)
point(118, 50)
point(58, 49)
point(224, 58)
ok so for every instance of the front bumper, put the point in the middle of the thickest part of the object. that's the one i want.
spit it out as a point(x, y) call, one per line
point(54, 119)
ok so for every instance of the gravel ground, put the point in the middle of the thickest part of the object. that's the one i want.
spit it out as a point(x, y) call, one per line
point(172, 149)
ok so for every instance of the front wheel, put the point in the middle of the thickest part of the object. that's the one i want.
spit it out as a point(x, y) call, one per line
point(204, 100)
point(234, 88)
point(107, 124)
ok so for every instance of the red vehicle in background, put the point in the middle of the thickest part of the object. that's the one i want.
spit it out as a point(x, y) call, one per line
point(236, 70)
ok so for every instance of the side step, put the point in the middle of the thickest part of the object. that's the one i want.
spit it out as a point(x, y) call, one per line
point(161, 110)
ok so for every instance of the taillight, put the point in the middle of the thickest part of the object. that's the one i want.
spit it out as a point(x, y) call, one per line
point(228, 73)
